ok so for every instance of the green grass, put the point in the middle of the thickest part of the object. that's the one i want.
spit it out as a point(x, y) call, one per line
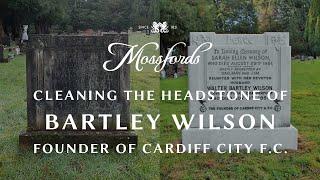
point(304, 163)
point(13, 120)
point(148, 50)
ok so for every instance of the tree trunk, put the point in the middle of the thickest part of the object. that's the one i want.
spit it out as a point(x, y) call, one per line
point(163, 46)
point(2, 34)
point(16, 28)
point(42, 27)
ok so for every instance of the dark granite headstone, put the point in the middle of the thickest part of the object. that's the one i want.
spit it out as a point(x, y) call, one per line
point(75, 63)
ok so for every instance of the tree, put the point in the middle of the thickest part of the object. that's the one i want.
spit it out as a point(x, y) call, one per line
point(229, 16)
point(284, 16)
point(291, 16)
point(110, 14)
point(87, 14)
point(118, 14)
point(42, 14)
point(144, 12)
point(187, 16)
point(312, 31)
point(3, 13)
point(265, 9)
point(74, 15)
point(237, 17)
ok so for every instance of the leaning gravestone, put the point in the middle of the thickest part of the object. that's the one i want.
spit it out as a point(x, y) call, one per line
point(75, 63)
point(244, 62)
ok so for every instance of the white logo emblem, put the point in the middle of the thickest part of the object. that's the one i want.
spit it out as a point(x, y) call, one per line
point(159, 27)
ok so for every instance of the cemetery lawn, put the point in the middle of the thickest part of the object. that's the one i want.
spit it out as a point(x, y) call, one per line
point(26, 165)
point(302, 164)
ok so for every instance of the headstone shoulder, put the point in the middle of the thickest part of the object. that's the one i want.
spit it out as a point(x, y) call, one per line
point(266, 39)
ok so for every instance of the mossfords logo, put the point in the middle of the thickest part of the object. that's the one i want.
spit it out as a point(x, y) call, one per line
point(135, 55)
point(159, 27)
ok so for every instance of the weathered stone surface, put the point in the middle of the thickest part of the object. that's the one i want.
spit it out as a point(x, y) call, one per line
point(247, 62)
point(75, 63)
point(286, 136)
point(244, 62)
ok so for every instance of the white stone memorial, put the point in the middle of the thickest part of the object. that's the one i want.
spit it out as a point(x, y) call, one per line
point(242, 62)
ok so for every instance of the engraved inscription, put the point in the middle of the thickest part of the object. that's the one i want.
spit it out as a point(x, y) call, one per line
point(60, 65)
point(238, 40)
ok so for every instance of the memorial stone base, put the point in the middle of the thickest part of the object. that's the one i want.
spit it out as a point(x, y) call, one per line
point(287, 136)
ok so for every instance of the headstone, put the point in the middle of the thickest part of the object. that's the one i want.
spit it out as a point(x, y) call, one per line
point(17, 49)
point(310, 58)
point(75, 63)
point(244, 62)
point(24, 39)
point(170, 71)
point(11, 54)
point(148, 31)
point(25, 36)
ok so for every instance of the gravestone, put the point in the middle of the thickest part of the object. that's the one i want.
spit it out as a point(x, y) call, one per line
point(75, 63)
point(148, 31)
point(182, 69)
point(244, 62)
point(25, 37)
